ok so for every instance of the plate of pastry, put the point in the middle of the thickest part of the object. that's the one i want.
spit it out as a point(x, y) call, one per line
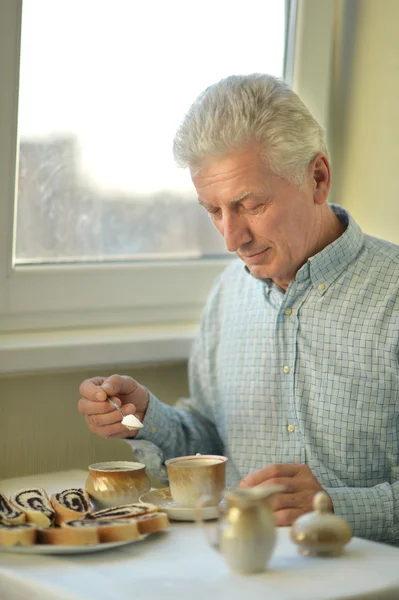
point(33, 523)
point(52, 549)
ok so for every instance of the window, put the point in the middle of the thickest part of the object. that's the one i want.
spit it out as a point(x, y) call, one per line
point(97, 117)
point(99, 228)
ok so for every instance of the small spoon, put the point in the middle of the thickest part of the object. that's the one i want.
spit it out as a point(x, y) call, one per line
point(123, 416)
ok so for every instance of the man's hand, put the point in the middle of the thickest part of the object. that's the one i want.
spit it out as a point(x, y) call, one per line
point(101, 417)
point(300, 487)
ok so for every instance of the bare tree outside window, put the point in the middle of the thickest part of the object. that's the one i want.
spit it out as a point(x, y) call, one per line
point(103, 87)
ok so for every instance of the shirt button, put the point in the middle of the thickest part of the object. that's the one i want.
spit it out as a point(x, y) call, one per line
point(153, 430)
point(321, 286)
point(286, 369)
point(288, 311)
point(291, 428)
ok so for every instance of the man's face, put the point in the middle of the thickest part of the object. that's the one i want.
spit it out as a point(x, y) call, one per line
point(272, 225)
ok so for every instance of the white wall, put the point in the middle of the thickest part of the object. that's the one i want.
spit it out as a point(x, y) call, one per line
point(366, 157)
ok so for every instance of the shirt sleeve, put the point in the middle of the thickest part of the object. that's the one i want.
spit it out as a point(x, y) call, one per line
point(373, 513)
point(191, 427)
point(179, 432)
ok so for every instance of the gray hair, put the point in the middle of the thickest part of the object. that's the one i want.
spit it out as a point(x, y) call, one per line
point(244, 110)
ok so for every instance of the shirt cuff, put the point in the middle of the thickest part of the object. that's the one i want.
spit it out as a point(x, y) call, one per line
point(369, 511)
point(156, 424)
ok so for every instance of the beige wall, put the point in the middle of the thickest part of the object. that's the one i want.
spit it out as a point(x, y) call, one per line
point(366, 107)
point(42, 431)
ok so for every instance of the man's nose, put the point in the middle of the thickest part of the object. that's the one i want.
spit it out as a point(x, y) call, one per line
point(235, 232)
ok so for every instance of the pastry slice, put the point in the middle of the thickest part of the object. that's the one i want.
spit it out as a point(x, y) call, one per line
point(68, 536)
point(36, 506)
point(23, 534)
point(125, 511)
point(122, 530)
point(9, 514)
point(73, 503)
point(152, 522)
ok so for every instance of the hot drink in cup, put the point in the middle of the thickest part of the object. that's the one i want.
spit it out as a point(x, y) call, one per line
point(192, 477)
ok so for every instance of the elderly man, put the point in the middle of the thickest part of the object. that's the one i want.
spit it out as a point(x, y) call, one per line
point(294, 373)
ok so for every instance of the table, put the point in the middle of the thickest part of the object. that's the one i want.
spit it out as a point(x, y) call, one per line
point(180, 564)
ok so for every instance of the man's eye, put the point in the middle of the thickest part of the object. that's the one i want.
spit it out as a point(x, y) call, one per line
point(256, 208)
point(251, 207)
point(214, 212)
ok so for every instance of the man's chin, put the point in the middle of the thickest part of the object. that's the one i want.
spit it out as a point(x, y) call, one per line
point(259, 271)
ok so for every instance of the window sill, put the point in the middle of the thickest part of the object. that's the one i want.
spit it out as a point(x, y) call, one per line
point(80, 348)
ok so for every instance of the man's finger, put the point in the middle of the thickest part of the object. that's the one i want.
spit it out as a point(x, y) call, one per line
point(113, 416)
point(286, 517)
point(119, 384)
point(270, 472)
point(108, 431)
point(104, 420)
point(90, 388)
point(283, 501)
point(291, 485)
point(88, 407)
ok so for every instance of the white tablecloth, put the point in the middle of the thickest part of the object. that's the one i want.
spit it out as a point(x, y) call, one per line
point(179, 564)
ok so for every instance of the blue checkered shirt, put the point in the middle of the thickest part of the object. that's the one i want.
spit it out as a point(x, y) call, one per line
point(308, 376)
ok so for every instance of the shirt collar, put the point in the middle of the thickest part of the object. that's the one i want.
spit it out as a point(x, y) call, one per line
point(324, 267)
point(331, 262)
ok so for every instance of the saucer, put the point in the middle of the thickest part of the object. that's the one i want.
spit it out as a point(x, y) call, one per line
point(162, 498)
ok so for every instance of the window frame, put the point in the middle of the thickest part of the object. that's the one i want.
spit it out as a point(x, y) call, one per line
point(61, 305)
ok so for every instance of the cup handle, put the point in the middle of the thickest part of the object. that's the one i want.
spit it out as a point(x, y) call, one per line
point(212, 534)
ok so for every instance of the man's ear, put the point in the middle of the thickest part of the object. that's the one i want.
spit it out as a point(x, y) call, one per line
point(321, 178)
